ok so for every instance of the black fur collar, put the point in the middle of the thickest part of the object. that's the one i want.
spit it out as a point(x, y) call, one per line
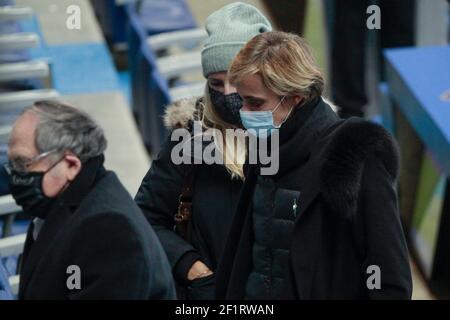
point(349, 145)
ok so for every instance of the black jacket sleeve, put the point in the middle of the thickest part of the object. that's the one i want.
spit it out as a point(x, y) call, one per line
point(385, 244)
point(158, 199)
point(115, 261)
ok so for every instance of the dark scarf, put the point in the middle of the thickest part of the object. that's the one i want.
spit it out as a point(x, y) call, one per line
point(300, 133)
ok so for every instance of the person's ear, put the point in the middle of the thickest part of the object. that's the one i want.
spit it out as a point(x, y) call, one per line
point(73, 166)
point(296, 100)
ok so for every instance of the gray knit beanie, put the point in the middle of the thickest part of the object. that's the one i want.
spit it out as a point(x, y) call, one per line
point(229, 29)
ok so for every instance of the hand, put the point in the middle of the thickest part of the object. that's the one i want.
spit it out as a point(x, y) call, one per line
point(198, 270)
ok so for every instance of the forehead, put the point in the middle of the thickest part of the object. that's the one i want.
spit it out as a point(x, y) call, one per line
point(21, 142)
point(252, 85)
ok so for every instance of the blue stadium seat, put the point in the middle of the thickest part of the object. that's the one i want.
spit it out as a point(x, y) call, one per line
point(11, 27)
point(12, 238)
point(21, 68)
point(112, 20)
point(149, 75)
point(5, 288)
point(10, 250)
point(6, 3)
point(154, 93)
point(136, 35)
point(165, 15)
point(156, 15)
point(11, 246)
point(4, 188)
point(151, 92)
point(21, 42)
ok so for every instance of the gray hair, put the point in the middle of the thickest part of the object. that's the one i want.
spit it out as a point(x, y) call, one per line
point(64, 128)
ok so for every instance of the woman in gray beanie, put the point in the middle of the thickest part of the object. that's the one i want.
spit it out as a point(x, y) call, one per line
point(210, 190)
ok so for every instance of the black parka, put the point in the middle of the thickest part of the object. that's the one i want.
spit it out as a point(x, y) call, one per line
point(214, 201)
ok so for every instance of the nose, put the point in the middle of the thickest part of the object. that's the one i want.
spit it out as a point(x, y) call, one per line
point(229, 89)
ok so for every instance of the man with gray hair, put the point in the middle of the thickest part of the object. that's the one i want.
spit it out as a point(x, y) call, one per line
point(88, 239)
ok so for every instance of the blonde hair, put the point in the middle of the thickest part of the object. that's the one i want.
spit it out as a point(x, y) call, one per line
point(233, 151)
point(285, 63)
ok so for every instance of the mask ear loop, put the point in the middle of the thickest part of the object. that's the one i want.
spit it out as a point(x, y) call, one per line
point(287, 116)
point(278, 105)
point(55, 164)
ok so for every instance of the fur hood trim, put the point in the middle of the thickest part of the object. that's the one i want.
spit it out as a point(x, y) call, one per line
point(180, 113)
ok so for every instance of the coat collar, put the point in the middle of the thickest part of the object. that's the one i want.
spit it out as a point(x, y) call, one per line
point(334, 171)
point(333, 152)
point(347, 147)
point(92, 170)
point(335, 162)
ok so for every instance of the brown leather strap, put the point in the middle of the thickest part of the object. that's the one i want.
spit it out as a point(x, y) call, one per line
point(184, 213)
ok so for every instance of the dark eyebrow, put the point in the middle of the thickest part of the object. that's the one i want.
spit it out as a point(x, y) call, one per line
point(253, 98)
point(215, 81)
point(19, 158)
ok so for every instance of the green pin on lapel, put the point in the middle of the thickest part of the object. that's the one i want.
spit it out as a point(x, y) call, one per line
point(294, 207)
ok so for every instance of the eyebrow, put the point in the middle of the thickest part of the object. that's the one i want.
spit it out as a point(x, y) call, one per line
point(18, 156)
point(254, 98)
point(18, 159)
point(221, 78)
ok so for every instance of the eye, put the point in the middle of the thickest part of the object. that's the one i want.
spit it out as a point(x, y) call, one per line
point(216, 84)
point(253, 104)
point(18, 164)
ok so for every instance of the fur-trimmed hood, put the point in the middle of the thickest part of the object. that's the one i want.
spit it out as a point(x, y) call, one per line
point(180, 113)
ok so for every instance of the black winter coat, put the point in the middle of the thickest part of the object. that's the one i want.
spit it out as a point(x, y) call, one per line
point(347, 218)
point(214, 201)
point(95, 226)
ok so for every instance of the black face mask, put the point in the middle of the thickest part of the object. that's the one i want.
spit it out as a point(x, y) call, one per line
point(227, 106)
point(26, 189)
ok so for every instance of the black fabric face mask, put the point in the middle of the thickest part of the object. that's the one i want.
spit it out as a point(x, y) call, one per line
point(227, 106)
point(26, 189)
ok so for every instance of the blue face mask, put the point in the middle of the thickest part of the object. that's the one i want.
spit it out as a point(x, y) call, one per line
point(261, 122)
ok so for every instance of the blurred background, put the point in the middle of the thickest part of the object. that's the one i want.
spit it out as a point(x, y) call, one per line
point(123, 61)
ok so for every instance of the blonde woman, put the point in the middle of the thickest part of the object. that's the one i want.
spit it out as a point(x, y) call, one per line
point(216, 187)
point(326, 225)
